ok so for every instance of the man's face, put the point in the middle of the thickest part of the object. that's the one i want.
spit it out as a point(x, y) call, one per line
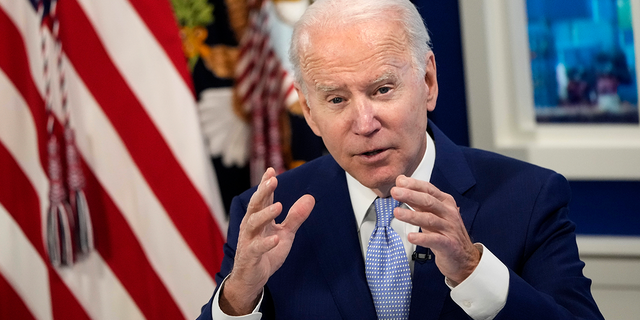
point(367, 101)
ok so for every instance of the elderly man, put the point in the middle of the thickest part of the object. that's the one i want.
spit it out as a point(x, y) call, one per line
point(397, 222)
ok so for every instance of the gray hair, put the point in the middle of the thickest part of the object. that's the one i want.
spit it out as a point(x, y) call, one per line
point(335, 13)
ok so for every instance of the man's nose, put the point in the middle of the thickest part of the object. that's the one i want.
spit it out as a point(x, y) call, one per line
point(365, 118)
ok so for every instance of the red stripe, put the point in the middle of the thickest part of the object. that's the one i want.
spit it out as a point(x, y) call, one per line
point(120, 248)
point(252, 74)
point(11, 305)
point(114, 240)
point(14, 63)
point(182, 201)
point(246, 44)
point(64, 304)
point(159, 18)
point(246, 72)
point(127, 261)
point(21, 201)
point(16, 191)
point(252, 52)
point(19, 197)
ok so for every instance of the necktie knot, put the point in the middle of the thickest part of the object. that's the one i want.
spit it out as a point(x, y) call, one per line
point(384, 210)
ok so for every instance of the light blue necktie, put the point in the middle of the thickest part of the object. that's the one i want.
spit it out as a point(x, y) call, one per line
point(387, 266)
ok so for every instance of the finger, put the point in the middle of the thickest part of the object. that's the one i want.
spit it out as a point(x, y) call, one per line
point(432, 240)
point(263, 196)
point(269, 183)
point(403, 181)
point(260, 246)
point(259, 220)
point(425, 220)
point(299, 212)
point(421, 201)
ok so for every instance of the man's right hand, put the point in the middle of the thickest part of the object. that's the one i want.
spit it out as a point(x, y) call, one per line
point(263, 245)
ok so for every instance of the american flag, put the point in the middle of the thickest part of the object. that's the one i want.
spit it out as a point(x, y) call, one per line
point(158, 222)
point(265, 89)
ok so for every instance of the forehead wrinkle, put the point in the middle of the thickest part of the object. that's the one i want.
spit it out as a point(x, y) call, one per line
point(379, 48)
point(389, 73)
point(382, 61)
point(388, 55)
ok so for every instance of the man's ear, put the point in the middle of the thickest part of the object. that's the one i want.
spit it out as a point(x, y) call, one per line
point(306, 111)
point(431, 80)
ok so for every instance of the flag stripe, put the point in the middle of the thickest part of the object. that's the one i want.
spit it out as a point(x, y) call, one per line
point(170, 252)
point(261, 87)
point(65, 305)
point(11, 303)
point(63, 302)
point(12, 61)
point(119, 28)
point(105, 289)
point(18, 256)
point(151, 191)
point(167, 253)
point(160, 169)
point(116, 233)
point(115, 241)
point(19, 197)
point(165, 256)
point(129, 250)
point(24, 147)
point(21, 14)
point(22, 202)
point(12, 66)
point(156, 15)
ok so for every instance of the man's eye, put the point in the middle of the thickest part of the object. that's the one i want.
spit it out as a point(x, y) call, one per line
point(336, 100)
point(383, 90)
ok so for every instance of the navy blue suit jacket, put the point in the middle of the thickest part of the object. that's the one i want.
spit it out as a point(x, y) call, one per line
point(517, 210)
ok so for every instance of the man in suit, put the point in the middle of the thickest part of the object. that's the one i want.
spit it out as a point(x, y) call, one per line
point(484, 236)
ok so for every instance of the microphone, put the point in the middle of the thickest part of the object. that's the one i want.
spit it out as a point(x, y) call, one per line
point(421, 254)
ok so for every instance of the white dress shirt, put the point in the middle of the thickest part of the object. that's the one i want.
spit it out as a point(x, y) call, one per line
point(482, 295)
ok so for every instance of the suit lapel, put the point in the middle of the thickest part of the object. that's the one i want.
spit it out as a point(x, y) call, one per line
point(451, 174)
point(332, 226)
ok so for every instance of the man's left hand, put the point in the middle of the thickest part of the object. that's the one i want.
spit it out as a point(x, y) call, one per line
point(443, 231)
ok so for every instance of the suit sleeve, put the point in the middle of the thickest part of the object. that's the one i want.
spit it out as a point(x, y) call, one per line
point(550, 283)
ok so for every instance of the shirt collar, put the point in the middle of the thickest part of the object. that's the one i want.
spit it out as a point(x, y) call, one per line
point(362, 197)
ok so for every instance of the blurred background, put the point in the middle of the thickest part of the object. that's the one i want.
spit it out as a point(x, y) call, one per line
point(583, 61)
point(127, 126)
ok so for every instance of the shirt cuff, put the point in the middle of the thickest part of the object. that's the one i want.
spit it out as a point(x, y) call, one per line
point(484, 293)
point(217, 314)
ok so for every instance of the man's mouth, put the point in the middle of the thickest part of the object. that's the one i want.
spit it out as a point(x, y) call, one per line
point(372, 153)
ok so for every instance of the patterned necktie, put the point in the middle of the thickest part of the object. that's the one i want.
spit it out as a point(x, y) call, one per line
point(387, 267)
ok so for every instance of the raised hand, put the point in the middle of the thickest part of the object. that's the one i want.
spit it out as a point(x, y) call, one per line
point(263, 245)
point(443, 231)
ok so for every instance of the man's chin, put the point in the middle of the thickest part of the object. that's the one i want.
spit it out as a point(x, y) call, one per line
point(382, 186)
